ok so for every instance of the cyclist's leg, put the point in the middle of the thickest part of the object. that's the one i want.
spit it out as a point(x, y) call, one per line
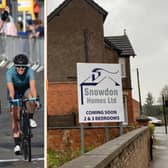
point(30, 108)
point(30, 105)
point(15, 112)
point(15, 115)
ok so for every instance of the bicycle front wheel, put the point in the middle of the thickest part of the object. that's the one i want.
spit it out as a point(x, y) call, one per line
point(26, 141)
point(25, 149)
point(29, 144)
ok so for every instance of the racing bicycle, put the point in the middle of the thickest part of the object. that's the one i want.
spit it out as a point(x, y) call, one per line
point(25, 128)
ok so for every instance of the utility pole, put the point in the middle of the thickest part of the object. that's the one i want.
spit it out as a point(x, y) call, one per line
point(139, 92)
point(164, 113)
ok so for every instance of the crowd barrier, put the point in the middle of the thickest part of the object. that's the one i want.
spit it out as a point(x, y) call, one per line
point(10, 46)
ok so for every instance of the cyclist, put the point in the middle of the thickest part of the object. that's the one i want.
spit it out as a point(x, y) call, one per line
point(20, 82)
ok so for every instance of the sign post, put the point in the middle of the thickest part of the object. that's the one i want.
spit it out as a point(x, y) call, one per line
point(100, 97)
point(82, 134)
point(26, 6)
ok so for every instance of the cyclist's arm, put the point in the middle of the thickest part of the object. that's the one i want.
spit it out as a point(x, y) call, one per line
point(32, 83)
point(33, 88)
point(11, 90)
point(10, 85)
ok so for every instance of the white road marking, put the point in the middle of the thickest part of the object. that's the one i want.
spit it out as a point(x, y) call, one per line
point(16, 160)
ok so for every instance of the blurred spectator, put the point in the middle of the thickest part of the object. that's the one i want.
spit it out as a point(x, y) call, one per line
point(38, 29)
point(7, 25)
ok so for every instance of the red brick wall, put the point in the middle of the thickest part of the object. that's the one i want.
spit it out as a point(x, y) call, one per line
point(110, 56)
point(131, 118)
point(69, 139)
point(62, 98)
point(66, 41)
point(136, 108)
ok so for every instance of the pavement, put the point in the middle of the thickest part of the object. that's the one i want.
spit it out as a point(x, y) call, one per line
point(160, 149)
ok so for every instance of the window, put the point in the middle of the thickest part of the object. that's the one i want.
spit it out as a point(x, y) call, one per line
point(123, 67)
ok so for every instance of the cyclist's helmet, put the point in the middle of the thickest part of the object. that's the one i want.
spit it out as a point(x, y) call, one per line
point(21, 59)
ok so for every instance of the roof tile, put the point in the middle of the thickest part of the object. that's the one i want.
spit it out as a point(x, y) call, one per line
point(123, 44)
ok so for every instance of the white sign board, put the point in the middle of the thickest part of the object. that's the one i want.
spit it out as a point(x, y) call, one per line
point(100, 96)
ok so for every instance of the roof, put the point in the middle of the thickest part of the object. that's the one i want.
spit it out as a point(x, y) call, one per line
point(109, 44)
point(57, 11)
point(123, 44)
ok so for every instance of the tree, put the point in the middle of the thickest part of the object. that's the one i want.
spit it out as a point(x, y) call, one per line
point(148, 104)
point(149, 100)
point(164, 92)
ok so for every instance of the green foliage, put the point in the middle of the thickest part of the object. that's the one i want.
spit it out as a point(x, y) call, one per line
point(164, 92)
point(53, 159)
point(155, 110)
point(151, 128)
point(56, 159)
point(149, 100)
point(89, 148)
point(148, 103)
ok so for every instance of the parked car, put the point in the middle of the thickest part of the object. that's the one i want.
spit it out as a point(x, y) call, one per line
point(155, 121)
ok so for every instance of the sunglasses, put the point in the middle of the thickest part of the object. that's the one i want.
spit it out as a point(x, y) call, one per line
point(21, 66)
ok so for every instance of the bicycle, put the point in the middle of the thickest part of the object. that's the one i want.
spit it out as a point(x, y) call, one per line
point(25, 128)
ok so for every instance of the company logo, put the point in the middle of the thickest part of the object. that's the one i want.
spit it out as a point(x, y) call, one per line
point(97, 76)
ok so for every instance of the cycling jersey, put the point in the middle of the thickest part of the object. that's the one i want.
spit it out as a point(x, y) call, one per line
point(20, 82)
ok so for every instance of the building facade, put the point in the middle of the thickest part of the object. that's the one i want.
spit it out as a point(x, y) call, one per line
point(76, 34)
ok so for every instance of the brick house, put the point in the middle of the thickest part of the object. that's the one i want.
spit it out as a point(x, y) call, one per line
point(124, 45)
point(75, 34)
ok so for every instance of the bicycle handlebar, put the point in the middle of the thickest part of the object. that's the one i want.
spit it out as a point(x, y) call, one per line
point(24, 100)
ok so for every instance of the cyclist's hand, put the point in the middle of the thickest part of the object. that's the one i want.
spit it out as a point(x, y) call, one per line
point(11, 104)
point(37, 104)
point(10, 100)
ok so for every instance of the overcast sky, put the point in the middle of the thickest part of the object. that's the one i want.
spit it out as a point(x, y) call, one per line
point(146, 23)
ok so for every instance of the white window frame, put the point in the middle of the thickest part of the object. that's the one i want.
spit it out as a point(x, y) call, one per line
point(123, 67)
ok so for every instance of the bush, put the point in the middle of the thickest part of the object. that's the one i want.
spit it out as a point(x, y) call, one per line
point(151, 128)
point(56, 159)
